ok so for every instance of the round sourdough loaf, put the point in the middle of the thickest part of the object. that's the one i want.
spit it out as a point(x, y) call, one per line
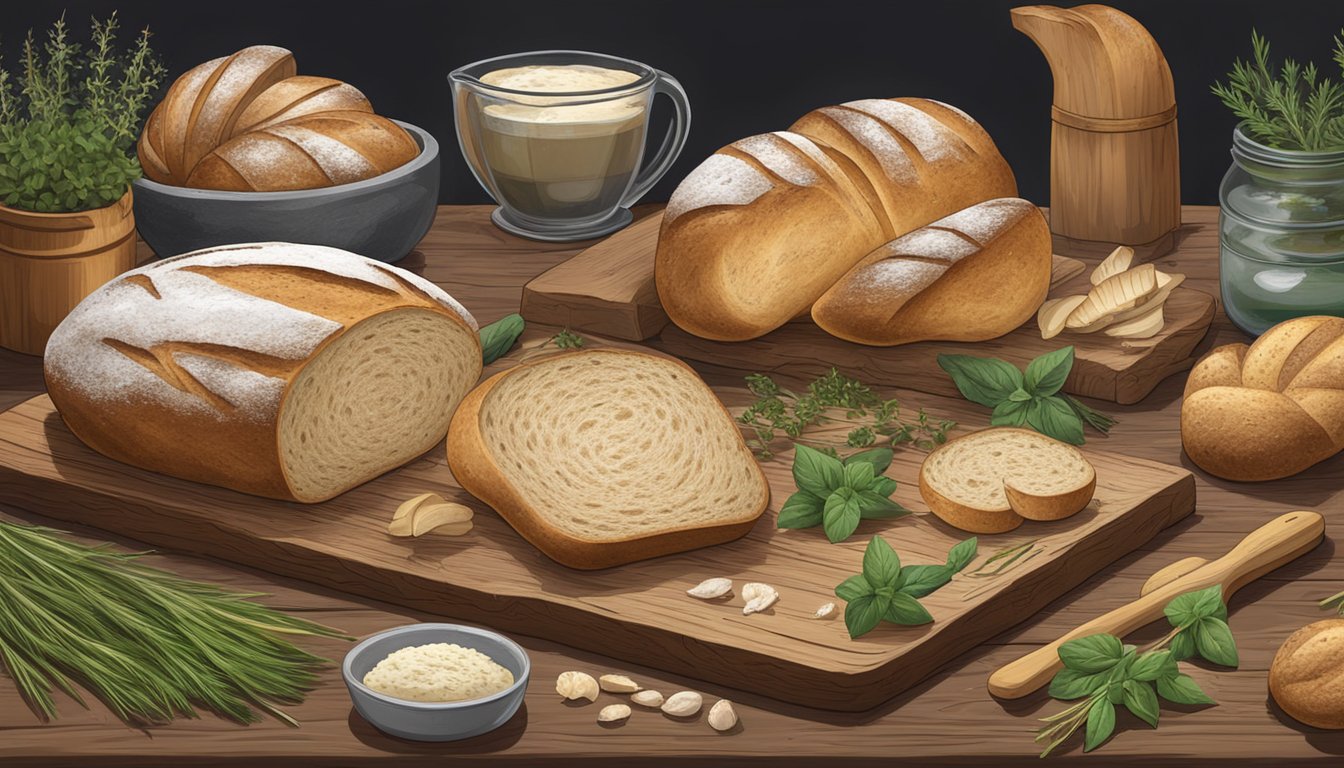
point(760, 230)
point(1307, 676)
point(290, 371)
point(1271, 409)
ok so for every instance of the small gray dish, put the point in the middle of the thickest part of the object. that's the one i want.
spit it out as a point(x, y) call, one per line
point(436, 721)
point(382, 218)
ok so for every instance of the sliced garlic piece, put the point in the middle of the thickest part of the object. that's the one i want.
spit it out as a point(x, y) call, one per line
point(1145, 326)
point(758, 596)
point(1115, 293)
point(576, 685)
point(683, 704)
point(711, 588)
point(613, 713)
point(1166, 283)
point(826, 611)
point(722, 716)
point(1119, 261)
point(446, 518)
point(410, 505)
point(617, 684)
point(647, 698)
point(1054, 313)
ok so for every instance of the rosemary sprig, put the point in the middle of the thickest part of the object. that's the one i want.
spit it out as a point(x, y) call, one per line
point(1289, 106)
point(149, 644)
point(1334, 602)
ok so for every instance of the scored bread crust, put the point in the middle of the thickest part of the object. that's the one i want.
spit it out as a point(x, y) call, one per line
point(1021, 504)
point(298, 96)
point(1269, 410)
point(1307, 675)
point(974, 275)
point(186, 366)
point(479, 474)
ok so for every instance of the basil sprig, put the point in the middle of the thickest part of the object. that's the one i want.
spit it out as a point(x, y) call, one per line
point(498, 337)
point(837, 494)
point(887, 592)
point(1032, 399)
point(1106, 673)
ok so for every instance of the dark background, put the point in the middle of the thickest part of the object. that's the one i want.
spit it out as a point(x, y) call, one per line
point(748, 66)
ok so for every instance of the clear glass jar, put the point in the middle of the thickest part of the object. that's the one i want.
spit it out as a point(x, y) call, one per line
point(1281, 234)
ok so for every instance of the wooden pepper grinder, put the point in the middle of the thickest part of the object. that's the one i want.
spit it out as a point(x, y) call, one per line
point(1114, 160)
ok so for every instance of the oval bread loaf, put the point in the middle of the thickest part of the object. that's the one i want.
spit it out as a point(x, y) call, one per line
point(1271, 409)
point(602, 457)
point(312, 151)
point(221, 99)
point(290, 371)
point(974, 275)
point(1307, 676)
point(761, 229)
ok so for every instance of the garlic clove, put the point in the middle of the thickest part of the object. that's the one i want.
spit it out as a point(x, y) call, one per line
point(1119, 261)
point(576, 685)
point(711, 588)
point(826, 611)
point(613, 713)
point(647, 698)
point(617, 684)
point(446, 517)
point(412, 504)
point(758, 596)
point(683, 704)
point(722, 716)
point(1053, 314)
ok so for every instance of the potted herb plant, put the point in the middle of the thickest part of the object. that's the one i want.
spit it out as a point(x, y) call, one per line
point(1282, 201)
point(68, 121)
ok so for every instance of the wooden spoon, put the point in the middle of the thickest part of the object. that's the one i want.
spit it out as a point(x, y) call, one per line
point(1271, 545)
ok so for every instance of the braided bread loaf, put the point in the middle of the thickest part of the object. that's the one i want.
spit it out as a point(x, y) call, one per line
point(1270, 409)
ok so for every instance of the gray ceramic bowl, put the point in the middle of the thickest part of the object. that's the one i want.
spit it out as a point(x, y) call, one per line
point(382, 218)
point(436, 721)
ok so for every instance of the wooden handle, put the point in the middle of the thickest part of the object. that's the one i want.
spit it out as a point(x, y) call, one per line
point(1266, 548)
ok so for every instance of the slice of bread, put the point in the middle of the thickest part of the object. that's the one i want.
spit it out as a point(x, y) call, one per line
point(602, 457)
point(989, 481)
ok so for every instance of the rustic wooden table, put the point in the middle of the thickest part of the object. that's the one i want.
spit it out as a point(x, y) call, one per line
point(949, 719)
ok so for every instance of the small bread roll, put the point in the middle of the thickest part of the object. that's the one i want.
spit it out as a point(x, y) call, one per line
point(1307, 676)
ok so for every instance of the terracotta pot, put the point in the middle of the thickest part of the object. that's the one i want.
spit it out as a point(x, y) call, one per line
point(50, 261)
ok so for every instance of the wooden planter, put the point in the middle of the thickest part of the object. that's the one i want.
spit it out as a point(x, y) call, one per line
point(50, 261)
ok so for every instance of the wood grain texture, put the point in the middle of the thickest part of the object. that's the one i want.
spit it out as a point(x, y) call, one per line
point(949, 720)
point(638, 614)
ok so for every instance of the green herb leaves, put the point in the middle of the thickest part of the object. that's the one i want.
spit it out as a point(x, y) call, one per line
point(1288, 108)
point(887, 592)
point(499, 337)
point(1106, 673)
point(1033, 400)
point(838, 494)
point(567, 339)
point(833, 398)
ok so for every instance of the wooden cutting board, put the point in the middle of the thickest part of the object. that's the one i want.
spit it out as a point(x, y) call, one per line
point(638, 613)
point(608, 289)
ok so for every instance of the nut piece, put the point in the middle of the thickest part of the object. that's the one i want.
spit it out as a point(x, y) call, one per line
point(612, 713)
point(711, 588)
point(576, 685)
point(758, 596)
point(722, 716)
point(826, 611)
point(682, 704)
point(647, 698)
point(617, 684)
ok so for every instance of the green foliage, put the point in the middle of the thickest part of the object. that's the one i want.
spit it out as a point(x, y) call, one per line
point(838, 494)
point(69, 119)
point(499, 337)
point(1287, 107)
point(886, 591)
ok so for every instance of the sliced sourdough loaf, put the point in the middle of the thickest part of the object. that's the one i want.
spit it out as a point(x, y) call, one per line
point(603, 457)
point(974, 275)
point(989, 481)
point(289, 371)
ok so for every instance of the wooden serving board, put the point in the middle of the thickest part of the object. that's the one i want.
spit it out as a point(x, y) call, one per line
point(638, 613)
point(608, 289)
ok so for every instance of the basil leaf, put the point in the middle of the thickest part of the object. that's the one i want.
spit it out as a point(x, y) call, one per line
point(1214, 642)
point(920, 580)
point(1140, 699)
point(498, 337)
point(875, 507)
point(883, 486)
point(1149, 666)
point(1009, 413)
point(801, 510)
point(984, 380)
point(881, 564)
point(815, 472)
point(1069, 684)
point(859, 475)
point(961, 555)
point(1046, 374)
point(1093, 653)
point(853, 588)
point(863, 613)
point(840, 515)
point(1053, 417)
point(880, 458)
point(1182, 689)
point(1019, 395)
point(1100, 724)
point(906, 611)
point(1182, 646)
point(1190, 607)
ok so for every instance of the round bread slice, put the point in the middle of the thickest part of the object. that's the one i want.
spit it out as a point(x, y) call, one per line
point(603, 457)
point(989, 481)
